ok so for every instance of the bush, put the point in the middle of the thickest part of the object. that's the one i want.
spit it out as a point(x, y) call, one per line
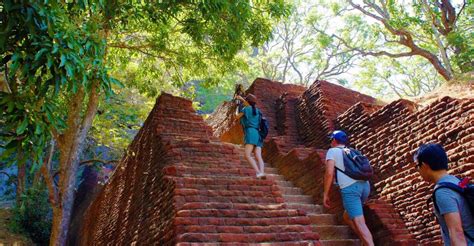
point(33, 217)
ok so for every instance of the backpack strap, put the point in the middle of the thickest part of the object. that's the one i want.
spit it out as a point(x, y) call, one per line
point(338, 169)
point(454, 187)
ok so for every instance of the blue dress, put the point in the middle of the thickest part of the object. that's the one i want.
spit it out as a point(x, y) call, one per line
point(251, 123)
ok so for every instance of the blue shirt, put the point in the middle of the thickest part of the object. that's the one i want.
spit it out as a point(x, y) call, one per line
point(249, 120)
point(450, 201)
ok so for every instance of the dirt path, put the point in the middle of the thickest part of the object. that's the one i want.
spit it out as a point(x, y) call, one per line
point(6, 237)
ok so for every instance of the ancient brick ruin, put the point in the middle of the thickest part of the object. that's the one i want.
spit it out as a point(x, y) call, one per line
point(183, 181)
point(387, 134)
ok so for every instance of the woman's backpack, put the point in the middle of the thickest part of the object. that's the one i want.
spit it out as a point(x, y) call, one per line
point(263, 127)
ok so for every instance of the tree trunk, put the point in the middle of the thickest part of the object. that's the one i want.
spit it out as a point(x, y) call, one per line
point(70, 145)
point(20, 181)
point(21, 175)
point(439, 43)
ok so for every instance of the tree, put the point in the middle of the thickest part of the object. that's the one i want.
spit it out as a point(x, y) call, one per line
point(301, 50)
point(404, 77)
point(436, 31)
point(56, 58)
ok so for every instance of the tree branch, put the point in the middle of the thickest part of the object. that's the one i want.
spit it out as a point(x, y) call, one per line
point(138, 48)
point(45, 171)
point(406, 39)
point(97, 160)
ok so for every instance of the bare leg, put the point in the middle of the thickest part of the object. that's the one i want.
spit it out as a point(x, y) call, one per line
point(258, 156)
point(349, 222)
point(248, 156)
point(365, 235)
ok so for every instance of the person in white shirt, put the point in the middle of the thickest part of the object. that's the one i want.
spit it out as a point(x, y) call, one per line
point(354, 192)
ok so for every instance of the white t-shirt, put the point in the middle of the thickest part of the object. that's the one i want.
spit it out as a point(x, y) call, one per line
point(336, 154)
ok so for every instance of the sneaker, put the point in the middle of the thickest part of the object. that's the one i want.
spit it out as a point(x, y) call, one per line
point(261, 176)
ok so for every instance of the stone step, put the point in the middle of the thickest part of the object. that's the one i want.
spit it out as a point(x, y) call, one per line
point(238, 206)
point(269, 177)
point(335, 232)
point(225, 193)
point(212, 170)
point(304, 199)
point(212, 180)
point(181, 229)
point(229, 187)
point(287, 243)
point(231, 199)
point(323, 219)
point(221, 171)
point(308, 208)
point(291, 191)
point(230, 221)
point(236, 213)
point(284, 183)
point(247, 238)
point(340, 242)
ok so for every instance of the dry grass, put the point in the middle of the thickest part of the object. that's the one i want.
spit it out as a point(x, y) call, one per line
point(462, 87)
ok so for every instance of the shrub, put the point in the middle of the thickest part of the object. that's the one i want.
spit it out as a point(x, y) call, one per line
point(33, 217)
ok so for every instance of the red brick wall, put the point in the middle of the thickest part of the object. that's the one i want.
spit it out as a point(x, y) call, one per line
point(319, 106)
point(140, 189)
point(389, 138)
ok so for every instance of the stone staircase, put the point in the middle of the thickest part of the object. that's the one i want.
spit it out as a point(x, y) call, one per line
point(330, 230)
point(178, 185)
point(222, 202)
point(216, 197)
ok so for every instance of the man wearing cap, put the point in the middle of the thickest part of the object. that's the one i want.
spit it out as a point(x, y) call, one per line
point(451, 208)
point(354, 192)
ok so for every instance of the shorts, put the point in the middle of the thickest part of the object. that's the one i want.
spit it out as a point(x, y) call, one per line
point(354, 196)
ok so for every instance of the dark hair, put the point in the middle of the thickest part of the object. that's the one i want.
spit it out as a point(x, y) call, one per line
point(433, 155)
point(254, 109)
point(252, 100)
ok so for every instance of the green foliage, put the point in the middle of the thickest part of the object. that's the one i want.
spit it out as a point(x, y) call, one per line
point(46, 63)
point(210, 98)
point(173, 43)
point(117, 121)
point(149, 46)
point(393, 79)
point(33, 216)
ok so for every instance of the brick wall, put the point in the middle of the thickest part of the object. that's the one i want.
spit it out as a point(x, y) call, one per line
point(318, 106)
point(389, 138)
point(179, 184)
point(140, 188)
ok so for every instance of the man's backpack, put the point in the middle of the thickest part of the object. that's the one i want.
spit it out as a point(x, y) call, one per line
point(464, 189)
point(357, 166)
point(263, 127)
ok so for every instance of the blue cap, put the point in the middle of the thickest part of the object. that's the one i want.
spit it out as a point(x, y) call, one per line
point(340, 136)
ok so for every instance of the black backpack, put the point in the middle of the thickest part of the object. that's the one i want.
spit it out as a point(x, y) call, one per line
point(464, 189)
point(357, 166)
point(263, 127)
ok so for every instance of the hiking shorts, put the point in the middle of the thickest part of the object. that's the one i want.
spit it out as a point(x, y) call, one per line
point(354, 196)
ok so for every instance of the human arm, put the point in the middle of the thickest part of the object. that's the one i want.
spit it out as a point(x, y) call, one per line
point(328, 179)
point(240, 98)
point(448, 205)
point(239, 113)
point(456, 232)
